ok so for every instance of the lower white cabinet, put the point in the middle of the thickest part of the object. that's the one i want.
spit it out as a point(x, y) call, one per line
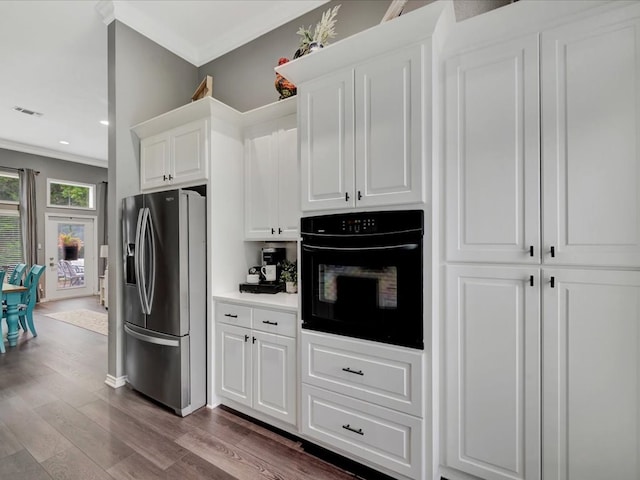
point(591, 375)
point(364, 398)
point(548, 392)
point(493, 371)
point(256, 366)
point(377, 434)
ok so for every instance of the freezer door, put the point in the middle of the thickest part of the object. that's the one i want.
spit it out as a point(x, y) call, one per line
point(133, 304)
point(158, 366)
point(168, 291)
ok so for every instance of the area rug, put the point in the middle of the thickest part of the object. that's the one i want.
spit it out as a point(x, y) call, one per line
point(94, 321)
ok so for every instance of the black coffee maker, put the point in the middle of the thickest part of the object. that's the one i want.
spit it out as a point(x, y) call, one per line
point(273, 256)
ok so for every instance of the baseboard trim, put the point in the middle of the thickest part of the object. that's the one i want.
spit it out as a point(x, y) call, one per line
point(116, 382)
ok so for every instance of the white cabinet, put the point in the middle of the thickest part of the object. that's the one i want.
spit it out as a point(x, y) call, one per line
point(256, 359)
point(361, 136)
point(493, 154)
point(591, 375)
point(590, 125)
point(493, 371)
point(590, 131)
point(365, 399)
point(175, 157)
point(272, 194)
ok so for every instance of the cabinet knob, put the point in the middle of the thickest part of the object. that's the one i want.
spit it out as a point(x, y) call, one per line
point(553, 251)
point(552, 281)
point(273, 231)
point(164, 178)
point(531, 280)
point(359, 195)
point(531, 250)
point(170, 177)
point(246, 337)
point(346, 196)
point(279, 231)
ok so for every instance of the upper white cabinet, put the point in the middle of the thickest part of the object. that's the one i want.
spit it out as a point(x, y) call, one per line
point(590, 139)
point(176, 157)
point(588, 202)
point(591, 375)
point(493, 154)
point(361, 134)
point(365, 113)
point(272, 194)
point(176, 148)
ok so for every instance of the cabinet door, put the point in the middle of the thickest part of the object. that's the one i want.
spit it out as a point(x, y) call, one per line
point(493, 372)
point(591, 372)
point(326, 142)
point(233, 362)
point(274, 375)
point(189, 153)
point(493, 154)
point(261, 175)
point(288, 208)
point(590, 140)
point(390, 156)
point(154, 161)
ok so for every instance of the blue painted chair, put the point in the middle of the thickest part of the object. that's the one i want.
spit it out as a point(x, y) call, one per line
point(25, 309)
point(16, 275)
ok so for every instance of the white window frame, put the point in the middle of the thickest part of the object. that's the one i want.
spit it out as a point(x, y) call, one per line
point(4, 203)
point(90, 186)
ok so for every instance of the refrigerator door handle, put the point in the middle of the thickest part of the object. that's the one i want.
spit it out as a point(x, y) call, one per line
point(146, 308)
point(152, 261)
point(137, 261)
point(150, 339)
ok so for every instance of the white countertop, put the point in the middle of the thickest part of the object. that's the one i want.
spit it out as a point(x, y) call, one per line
point(281, 301)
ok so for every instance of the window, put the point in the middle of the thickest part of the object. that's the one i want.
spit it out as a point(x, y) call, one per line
point(10, 230)
point(65, 194)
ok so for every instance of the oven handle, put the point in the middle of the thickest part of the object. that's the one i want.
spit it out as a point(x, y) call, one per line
point(406, 246)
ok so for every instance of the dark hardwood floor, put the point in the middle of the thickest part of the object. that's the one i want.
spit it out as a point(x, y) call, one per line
point(58, 420)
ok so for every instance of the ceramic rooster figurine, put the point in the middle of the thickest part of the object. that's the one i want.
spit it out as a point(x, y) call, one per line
point(284, 87)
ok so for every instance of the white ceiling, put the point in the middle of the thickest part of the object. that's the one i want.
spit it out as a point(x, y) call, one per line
point(53, 59)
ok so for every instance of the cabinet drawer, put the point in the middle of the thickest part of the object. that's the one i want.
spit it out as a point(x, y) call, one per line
point(233, 314)
point(376, 434)
point(385, 375)
point(281, 323)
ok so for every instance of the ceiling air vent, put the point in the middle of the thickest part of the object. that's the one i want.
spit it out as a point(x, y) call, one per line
point(27, 111)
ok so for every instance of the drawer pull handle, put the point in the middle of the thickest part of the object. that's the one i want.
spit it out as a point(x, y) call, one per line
point(269, 323)
point(348, 427)
point(229, 315)
point(357, 372)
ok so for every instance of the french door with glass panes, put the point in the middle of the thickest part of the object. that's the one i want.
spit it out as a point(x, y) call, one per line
point(70, 256)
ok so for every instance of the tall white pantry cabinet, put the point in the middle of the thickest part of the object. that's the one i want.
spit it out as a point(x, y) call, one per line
point(542, 253)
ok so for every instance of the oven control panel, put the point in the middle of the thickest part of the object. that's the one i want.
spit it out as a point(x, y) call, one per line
point(363, 223)
point(358, 225)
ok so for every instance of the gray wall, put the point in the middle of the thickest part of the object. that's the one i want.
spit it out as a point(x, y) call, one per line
point(60, 170)
point(244, 78)
point(145, 80)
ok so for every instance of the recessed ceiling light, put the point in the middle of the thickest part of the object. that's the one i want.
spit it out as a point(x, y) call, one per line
point(64, 142)
point(104, 122)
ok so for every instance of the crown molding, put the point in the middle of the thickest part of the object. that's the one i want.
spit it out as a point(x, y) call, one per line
point(47, 152)
point(198, 55)
point(107, 10)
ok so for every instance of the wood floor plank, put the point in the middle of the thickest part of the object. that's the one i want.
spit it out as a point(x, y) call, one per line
point(292, 463)
point(236, 462)
point(212, 421)
point(22, 466)
point(161, 419)
point(136, 467)
point(101, 446)
point(67, 390)
point(9, 443)
point(36, 435)
point(155, 447)
point(72, 464)
point(193, 467)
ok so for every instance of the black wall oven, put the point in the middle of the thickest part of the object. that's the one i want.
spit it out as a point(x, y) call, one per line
point(361, 275)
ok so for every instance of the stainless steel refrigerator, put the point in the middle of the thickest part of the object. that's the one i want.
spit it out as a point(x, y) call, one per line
point(164, 250)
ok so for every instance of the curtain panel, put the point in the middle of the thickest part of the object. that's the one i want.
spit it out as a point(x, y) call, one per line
point(28, 215)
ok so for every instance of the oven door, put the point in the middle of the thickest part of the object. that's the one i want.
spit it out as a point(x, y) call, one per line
point(370, 292)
